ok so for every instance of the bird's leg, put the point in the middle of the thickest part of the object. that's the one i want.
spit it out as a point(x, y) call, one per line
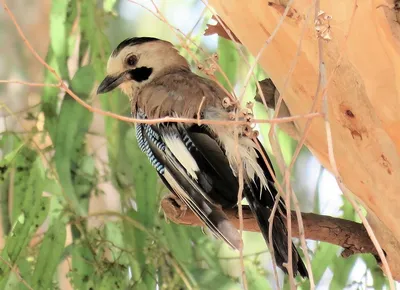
point(173, 207)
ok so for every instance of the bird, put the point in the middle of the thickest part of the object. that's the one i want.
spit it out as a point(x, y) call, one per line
point(200, 163)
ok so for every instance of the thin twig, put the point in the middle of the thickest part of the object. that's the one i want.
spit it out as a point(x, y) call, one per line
point(28, 83)
point(289, 265)
point(16, 272)
point(240, 206)
point(199, 111)
point(183, 120)
point(189, 34)
point(244, 58)
point(42, 155)
point(142, 228)
point(180, 34)
point(265, 45)
point(278, 153)
point(268, 165)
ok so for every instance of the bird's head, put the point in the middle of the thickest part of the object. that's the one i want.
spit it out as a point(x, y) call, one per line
point(136, 61)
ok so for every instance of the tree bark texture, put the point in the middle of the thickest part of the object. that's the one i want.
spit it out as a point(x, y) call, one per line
point(363, 96)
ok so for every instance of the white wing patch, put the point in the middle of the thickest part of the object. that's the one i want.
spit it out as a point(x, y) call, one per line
point(179, 150)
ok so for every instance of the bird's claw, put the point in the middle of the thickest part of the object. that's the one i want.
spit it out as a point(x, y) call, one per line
point(173, 207)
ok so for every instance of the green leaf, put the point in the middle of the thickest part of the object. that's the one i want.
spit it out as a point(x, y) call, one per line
point(145, 183)
point(50, 98)
point(21, 218)
point(59, 30)
point(83, 267)
point(73, 124)
point(23, 163)
point(324, 256)
point(341, 269)
point(83, 81)
point(35, 209)
point(58, 35)
point(108, 5)
point(379, 280)
point(256, 277)
point(113, 278)
point(211, 279)
point(50, 253)
point(229, 60)
point(25, 270)
point(9, 157)
point(174, 235)
point(114, 235)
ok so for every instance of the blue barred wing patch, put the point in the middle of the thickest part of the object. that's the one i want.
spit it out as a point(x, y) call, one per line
point(146, 134)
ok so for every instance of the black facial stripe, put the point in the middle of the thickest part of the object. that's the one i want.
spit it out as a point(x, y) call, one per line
point(131, 42)
point(140, 74)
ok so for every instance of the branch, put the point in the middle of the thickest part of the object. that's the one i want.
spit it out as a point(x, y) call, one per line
point(347, 234)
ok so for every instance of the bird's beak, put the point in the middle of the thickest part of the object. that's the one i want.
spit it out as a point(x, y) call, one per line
point(111, 82)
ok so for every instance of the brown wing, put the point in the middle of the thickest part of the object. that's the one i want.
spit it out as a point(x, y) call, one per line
point(178, 92)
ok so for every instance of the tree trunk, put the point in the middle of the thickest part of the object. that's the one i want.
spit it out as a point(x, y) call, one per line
point(363, 96)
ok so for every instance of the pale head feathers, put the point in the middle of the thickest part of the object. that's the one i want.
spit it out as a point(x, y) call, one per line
point(152, 53)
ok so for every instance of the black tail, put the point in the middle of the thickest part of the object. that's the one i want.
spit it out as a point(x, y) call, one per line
point(261, 206)
point(279, 234)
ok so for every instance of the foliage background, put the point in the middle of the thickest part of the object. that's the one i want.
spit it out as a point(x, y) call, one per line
point(80, 203)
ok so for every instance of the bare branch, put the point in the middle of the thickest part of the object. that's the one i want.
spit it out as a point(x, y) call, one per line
point(349, 235)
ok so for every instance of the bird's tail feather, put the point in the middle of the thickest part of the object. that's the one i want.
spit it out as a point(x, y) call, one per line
point(279, 235)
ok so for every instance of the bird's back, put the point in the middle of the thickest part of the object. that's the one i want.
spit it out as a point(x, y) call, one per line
point(177, 90)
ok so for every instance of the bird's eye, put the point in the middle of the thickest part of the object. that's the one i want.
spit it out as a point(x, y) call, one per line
point(132, 60)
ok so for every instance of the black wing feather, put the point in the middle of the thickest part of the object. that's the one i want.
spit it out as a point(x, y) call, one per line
point(214, 164)
point(260, 204)
point(215, 186)
point(191, 191)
